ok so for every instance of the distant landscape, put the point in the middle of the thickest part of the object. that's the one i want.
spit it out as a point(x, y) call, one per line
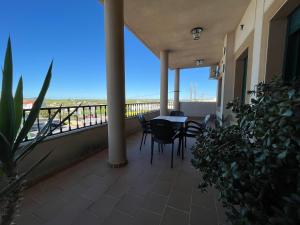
point(83, 102)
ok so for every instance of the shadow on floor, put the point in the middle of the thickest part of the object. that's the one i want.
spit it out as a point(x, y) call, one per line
point(91, 193)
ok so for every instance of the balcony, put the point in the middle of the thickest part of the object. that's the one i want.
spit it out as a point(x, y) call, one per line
point(97, 173)
point(90, 192)
point(86, 132)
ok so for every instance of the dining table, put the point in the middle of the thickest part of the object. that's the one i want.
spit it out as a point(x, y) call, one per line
point(174, 119)
point(178, 120)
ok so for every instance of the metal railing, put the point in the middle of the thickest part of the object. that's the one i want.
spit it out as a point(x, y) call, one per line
point(84, 116)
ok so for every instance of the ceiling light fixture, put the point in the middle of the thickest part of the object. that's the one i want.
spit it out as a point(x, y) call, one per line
point(196, 32)
point(199, 62)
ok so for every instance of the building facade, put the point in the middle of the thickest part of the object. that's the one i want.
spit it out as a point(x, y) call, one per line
point(265, 44)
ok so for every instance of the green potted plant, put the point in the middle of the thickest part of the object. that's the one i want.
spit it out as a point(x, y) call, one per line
point(12, 134)
point(255, 162)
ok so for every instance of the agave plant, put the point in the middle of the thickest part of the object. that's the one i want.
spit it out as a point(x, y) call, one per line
point(12, 134)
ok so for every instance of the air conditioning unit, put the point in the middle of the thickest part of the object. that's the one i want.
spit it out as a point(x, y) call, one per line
point(214, 72)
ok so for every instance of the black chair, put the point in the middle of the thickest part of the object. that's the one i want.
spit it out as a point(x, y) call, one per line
point(162, 132)
point(193, 128)
point(145, 127)
point(176, 113)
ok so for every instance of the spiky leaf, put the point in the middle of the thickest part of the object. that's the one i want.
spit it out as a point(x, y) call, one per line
point(5, 148)
point(10, 187)
point(7, 116)
point(45, 132)
point(18, 102)
point(35, 110)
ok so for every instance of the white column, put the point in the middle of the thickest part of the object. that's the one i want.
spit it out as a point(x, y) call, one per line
point(176, 89)
point(115, 76)
point(228, 78)
point(259, 15)
point(164, 61)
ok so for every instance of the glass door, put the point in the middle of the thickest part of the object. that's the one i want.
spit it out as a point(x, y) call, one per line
point(292, 63)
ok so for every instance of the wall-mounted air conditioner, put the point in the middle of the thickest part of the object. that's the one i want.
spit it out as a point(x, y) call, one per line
point(214, 72)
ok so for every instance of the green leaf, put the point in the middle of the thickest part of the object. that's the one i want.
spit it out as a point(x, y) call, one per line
point(12, 186)
point(45, 132)
point(18, 102)
point(4, 148)
point(288, 113)
point(291, 93)
point(282, 155)
point(35, 110)
point(7, 117)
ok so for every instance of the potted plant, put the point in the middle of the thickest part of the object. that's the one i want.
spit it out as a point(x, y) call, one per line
point(255, 162)
point(12, 134)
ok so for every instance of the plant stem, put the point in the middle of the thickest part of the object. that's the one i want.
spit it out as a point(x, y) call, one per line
point(11, 201)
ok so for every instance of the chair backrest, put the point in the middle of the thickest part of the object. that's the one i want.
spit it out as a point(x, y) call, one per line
point(142, 120)
point(177, 113)
point(162, 130)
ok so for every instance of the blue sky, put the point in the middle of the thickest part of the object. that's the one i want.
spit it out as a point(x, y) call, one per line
point(71, 32)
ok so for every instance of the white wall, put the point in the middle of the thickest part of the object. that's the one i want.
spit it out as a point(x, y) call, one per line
point(257, 48)
point(198, 109)
point(228, 76)
point(268, 4)
point(248, 20)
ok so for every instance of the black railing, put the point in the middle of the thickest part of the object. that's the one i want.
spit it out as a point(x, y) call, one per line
point(84, 116)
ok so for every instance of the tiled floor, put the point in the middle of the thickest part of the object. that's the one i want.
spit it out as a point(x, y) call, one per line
point(90, 193)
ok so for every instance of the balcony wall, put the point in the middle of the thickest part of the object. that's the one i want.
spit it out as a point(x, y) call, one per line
point(73, 146)
point(198, 109)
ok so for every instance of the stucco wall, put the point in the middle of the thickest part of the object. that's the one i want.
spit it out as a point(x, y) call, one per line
point(228, 76)
point(268, 4)
point(256, 21)
point(248, 20)
point(72, 147)
point(198, 109)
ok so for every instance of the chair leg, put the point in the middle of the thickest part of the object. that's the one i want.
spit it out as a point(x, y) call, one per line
point(158, 145)
point(162, 148)
point(185, 142)
point(152, 145)
point(172, 156)
point(145, 138)
point(182, 149)
point(142, 141)
point(179, 146)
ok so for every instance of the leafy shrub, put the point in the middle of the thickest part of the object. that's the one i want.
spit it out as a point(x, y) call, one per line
point(254, 163)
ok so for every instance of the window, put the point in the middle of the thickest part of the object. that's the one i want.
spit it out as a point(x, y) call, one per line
point(244, 84)
point(292, 61)
point(240, 86)
point(219, 99)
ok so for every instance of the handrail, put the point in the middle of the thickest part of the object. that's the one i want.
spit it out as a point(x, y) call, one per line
point(85, 116)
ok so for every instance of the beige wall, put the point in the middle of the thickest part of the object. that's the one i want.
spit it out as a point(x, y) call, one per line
point(229, 75)
point(263, 38)
point(268, 4)
point(248, 20)
point(258, 20)
point(72, 147)
point(198, 109)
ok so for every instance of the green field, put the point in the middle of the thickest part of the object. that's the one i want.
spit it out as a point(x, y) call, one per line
point(75, 102)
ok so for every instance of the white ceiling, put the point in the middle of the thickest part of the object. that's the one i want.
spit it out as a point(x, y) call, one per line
point(167, 24)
